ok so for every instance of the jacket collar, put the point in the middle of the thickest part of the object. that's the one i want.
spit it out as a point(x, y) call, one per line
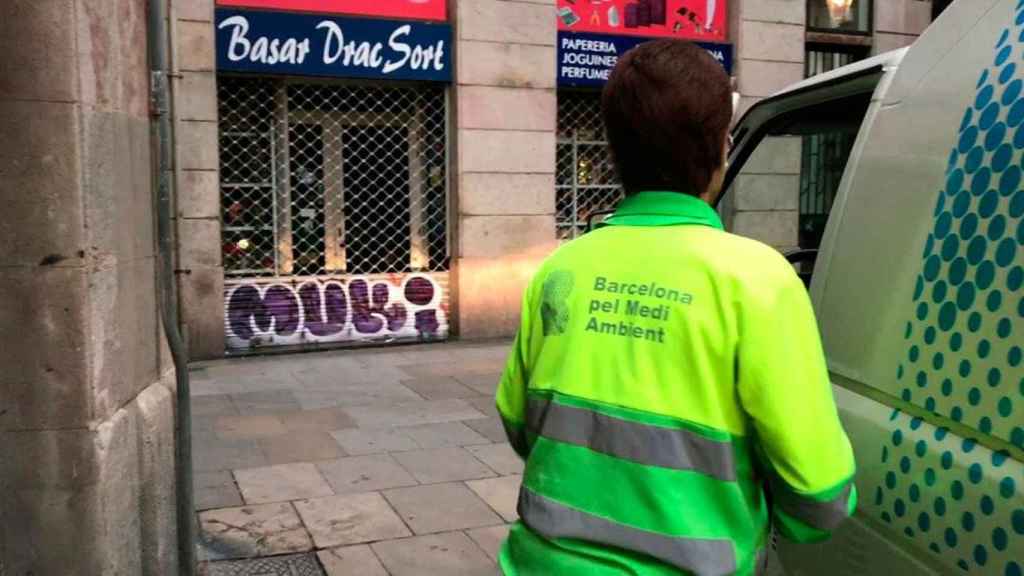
point(663, 209)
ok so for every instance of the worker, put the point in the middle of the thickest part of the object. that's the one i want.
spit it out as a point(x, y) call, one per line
point(667, 388)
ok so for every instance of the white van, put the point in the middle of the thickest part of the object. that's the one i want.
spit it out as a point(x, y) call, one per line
point(918, 291)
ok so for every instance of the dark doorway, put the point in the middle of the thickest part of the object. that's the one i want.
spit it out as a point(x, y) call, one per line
point(306, 146)
point(377, 195)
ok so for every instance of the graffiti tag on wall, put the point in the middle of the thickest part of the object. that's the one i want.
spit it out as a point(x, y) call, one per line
point(410, 307)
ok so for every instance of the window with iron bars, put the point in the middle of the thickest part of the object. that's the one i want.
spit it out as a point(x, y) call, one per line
point(329, 178)
point(824, 155)
point(585, 180)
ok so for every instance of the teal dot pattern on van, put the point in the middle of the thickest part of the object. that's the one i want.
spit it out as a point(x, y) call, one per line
point(951, 495)
point(964, 340)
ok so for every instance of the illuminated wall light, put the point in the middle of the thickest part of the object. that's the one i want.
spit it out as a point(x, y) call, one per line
point(839, 11)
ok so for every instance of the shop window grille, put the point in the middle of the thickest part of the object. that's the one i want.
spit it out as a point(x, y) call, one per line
point(329, 178)
point(585, 179)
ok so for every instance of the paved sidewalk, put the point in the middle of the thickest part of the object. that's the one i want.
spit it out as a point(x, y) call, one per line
point(371, 462)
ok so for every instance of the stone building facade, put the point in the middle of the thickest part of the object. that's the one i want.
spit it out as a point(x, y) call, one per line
point(509, 130)
point(86, 397)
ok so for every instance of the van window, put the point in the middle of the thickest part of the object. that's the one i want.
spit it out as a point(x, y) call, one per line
point(783, 178)
point(824, 155)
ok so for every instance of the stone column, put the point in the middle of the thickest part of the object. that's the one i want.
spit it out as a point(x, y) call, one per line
point(201, 272)
point(505, 114)
point(86, 427)
point(769, 38)
point(899, 22)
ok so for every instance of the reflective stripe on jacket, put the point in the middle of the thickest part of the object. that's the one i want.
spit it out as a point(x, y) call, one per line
point(665, 378)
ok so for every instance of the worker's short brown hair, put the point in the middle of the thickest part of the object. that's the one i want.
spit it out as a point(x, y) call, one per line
point(666, 108)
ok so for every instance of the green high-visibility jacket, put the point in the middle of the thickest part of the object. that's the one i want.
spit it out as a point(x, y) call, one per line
point(668, 392)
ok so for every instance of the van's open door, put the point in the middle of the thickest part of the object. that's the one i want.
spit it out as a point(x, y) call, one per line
point(770, 139)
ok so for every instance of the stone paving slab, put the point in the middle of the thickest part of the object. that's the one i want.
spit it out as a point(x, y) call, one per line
point(281, 483)
point(212, 406)
point(362, 441)
point(250, 531)
point(300, 447)
point(443, 435)
point(365, 474)
point(499, 457)
point(324, 375)
point(350, 519)
point(485, 383)
point(489, 539)
point(248, 427)
point(265, 367)
point(204, 424)
point(415, 355)
point(501, 494)
point(441, 508)
point(443, 465)
point(355, 395)
point(412, 413)
point(264, 402)
point(212, 453)
point(351, 561)
point(460, 367)
point(485, 404)
point(316, 420)
point(452, 554)
point(215, 489)
point(233, 382)
point(440, 388)
point(365, 449)
point(292, 565)
point(338, 362)
point(490, 428)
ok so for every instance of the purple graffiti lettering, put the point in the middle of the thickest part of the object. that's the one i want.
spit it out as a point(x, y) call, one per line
point(363, 320)
point(370, 313)
point(240, 310)
point(419, 291)
point(325, 322)
point(283, 308)
point(336, 303)
point(278, 308)
point(396, 314)
point(426, 322)
point(331, 310)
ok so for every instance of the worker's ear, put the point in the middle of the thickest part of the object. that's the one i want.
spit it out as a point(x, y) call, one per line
point(718, 178)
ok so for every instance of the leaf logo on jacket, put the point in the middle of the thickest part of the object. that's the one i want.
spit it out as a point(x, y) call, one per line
point(554, 308)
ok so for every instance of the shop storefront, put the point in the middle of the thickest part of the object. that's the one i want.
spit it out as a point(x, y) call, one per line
point(591, 38)
point(334, 185)
point(322, 201)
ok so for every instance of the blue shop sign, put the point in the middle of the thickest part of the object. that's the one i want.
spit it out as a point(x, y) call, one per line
point(588, 59)
point(317, 45)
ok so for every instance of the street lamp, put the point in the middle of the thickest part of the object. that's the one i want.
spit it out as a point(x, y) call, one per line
point(839, 11)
